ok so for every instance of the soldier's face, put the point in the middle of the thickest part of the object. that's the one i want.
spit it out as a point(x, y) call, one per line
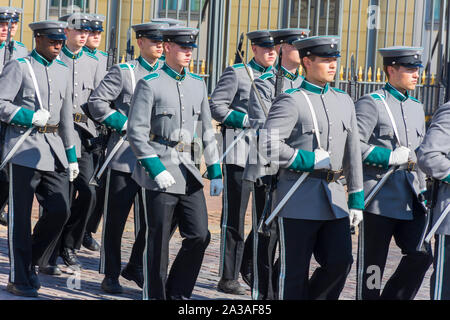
point(177, 55)
point(403, 77)
point(76, 38)
point(264, 56)
point(321, 69)
point(290, 54)
point(14, 27)
point(150, 49)
point(94, 39)
point(3, 31)
point(48, 48)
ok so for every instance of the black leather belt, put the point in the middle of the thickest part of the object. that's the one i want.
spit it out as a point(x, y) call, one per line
point(48, 129)
point(177, 145)
point(79, 117)
point(328, 175)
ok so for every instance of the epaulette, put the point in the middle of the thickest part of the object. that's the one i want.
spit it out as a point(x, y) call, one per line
point(237, 66)
point(291, 90)
point(61, 63)
point(151, 76)
point(19, 43)
point(414, 99)
point(195, 76)
point(103, 53)
point(267, 75)
point(339, 90)
point(21, 60)
point(125, 66)
point(377, 96)
point(91, 55)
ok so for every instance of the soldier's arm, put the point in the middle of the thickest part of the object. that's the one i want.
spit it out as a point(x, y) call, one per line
point(66, 127)
point(140, 125)
point(11, 82)
point(100, 100)
point(434, 151)
point(256, 114)
point(222, 97)
point(352, 163)
point(367, 118)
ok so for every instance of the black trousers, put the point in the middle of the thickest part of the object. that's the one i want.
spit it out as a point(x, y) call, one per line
point(4, 187)
point(232, 223)
point(52, 192)
point(330, 242)
point(375, 235)
point(122, 190)
point(193, 225)
point(97, 212)
point(440, 278)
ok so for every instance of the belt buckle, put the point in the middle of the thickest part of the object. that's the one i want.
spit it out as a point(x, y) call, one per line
point(330, 176)
point(77, 117)
point(179, 147)
point(42, 129)
point(411, 166)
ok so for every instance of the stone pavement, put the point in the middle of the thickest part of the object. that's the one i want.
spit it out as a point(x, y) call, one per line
point(85, 285)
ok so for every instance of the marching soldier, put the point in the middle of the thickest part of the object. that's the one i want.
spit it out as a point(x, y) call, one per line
point(35, 98)
point(434, 159)
point(83, 67)
point(110, 105)
point(229, 107)
point(168, 107)
point(172, 23)
point(262, 175)
point(391, 127)
point(311, 132)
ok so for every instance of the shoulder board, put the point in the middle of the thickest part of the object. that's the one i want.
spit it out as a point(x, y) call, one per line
point(91, 55)
point(103, 53)
point(238, 66)
point(151, 76)
point(195, 76)
point(61, 63)
point(267, 75)
point(291, 91)
point(21, 60)
point(377, 96)
point(19, 43)
point(414, 99)
point(125, 66)
point(339, 90)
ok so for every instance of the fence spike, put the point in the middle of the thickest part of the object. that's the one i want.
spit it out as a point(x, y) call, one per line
point(341, 73)
point(433, 79)
point(122, 60)
point(300, 70)
point(203, 67)
point(369, 75)
point(378, 75)
point(360, 74)
point(191, 66)
point(424, 77)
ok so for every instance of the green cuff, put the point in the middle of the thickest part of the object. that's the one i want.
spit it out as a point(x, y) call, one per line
point(447, 179)
point(153, 166)
point(304, 161)
point(214, 172)
point(115, 121)
point(23, 117)
point(71, 155)
point(378, 157)
point(356, 200)
point(235, 119)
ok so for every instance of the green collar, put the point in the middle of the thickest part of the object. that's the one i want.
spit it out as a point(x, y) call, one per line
point(40, 58)
point(70, 54)
point(289, 75)
point(397, 94)
point(2, 45)
point(173, 74)
point(254, 65)
point(92, 51)
point(313, 88)
point(147, 66)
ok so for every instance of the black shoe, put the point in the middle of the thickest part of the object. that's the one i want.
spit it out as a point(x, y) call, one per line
point(51, 270)
point(34, 279)
point(70, 258)
point(90, 243)
point(176, 297)
point(21, 290)
point(134, 273)
point(4, 218)
point(111, 285)
point(247, 273)
point(230, 286)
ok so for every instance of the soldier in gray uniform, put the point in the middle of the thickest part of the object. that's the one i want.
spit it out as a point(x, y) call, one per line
point(312, 130)
point(169, 106)
point(83, 67)
point(286, 73)
point(229, 103)
point(433, 158)
point(109, 104)
point(172, 23)
point(35, 97)
point(391, 127)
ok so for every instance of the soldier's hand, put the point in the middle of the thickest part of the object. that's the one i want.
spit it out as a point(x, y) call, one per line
point(124, 128)
point(216, 187)
point(73, 171)
point(321, 159)
point(399, 156)
point(356, 216)
point(164, 180)
point(40, 118)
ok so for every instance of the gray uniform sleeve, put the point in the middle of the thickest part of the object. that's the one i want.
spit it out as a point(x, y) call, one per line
point(367, 118)
point(10, 82)
point(255, 112)
point(66, 126)
point(223, 95)
point(433, 153)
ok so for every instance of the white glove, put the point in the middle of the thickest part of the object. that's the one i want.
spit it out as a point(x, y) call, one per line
point(73, 171)
point(399, 156)
point(216, 187)
point(321, 159)
point(164, 180)
point(40, 118)
point(245, 122)
point(125, 126)
point(356, 216)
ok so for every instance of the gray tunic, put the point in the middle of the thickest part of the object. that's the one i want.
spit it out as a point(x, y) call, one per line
point(114, 94)
point(18, 96)
point(229, 102)
point(102, 60)
point(434, 159)
point(19, 51)
point(288, 136)
point(173, 107)
point(395, 199)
